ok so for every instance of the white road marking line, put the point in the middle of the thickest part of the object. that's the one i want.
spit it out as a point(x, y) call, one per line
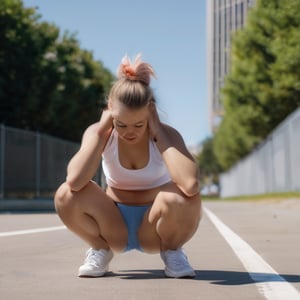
point(30, 231)
point(269, 282)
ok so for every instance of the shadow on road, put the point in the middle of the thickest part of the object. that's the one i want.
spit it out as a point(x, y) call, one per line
point(240, 278)
point(213, 276)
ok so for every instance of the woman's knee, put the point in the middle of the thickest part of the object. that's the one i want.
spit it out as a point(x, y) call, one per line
point(63, 197)
point(176, 206)
point(176, 201)
point(182, 208)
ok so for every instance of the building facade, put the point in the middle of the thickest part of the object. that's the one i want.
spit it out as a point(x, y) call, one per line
point(224, 17)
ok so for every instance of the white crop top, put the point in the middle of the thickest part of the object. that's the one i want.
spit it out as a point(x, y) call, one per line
point(154, 174)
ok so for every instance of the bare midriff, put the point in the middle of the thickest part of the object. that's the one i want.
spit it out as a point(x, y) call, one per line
point(136, 197)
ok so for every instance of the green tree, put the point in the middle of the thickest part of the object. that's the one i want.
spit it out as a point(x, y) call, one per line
point(263, 85)
point(76, 89)
point(208, 163)
point(48, 82)
point(23, 43)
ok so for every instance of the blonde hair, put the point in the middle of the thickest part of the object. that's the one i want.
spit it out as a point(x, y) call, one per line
point(132, 87)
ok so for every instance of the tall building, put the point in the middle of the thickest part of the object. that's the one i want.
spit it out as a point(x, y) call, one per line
point(224, 17)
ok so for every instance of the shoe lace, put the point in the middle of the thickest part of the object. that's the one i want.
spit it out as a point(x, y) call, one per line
point(92, 257)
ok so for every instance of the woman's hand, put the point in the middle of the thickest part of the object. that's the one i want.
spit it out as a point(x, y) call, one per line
point(154, 124)
point(105, 122)
point(84, 164)
point(157, 130)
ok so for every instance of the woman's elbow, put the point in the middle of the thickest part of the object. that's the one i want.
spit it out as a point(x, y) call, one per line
point(74, 184)
point(191, 188)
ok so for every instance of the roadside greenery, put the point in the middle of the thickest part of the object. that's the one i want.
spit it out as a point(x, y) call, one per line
point(260, 197)
point(263, 86)
point(47, 82)
point(210, 168)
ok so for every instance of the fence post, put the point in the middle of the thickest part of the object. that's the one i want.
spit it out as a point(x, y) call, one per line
point(38, 165)
point(2, 160)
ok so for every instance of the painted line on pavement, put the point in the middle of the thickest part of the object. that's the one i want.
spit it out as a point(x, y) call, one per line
point(270, 284)
point(30, 231)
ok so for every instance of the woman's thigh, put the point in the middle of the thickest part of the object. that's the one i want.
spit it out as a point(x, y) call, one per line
point(176, 209)
point(75, 208)
point(170, 201)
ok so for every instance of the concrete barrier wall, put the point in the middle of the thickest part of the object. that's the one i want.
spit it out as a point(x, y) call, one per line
point(274, 166)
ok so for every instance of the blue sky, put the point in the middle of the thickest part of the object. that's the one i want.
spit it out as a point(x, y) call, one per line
point(171, 35)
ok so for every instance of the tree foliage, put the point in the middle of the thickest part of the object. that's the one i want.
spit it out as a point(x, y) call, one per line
point(209, 166)
point(48, 83)
point(263, 86)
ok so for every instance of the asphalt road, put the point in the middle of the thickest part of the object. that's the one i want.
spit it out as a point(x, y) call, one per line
point(242, 250)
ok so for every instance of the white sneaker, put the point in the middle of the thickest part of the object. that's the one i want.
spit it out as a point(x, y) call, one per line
point(96, 263)
point(177, 264)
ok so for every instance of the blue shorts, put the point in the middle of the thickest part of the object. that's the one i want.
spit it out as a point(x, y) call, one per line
point(133, 217)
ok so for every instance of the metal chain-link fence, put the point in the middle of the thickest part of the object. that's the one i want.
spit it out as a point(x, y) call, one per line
point(32, 165)
point(273, 167)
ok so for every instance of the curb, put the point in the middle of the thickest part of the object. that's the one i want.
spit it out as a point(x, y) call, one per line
point(26, 205)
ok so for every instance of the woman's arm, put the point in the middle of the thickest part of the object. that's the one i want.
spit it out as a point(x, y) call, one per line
point(182, 167)
point(84, 164)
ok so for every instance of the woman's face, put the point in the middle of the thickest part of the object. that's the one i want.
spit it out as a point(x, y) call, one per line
point(131, 124)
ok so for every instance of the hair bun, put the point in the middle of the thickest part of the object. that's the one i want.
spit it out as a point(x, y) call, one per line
point(136, 70)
